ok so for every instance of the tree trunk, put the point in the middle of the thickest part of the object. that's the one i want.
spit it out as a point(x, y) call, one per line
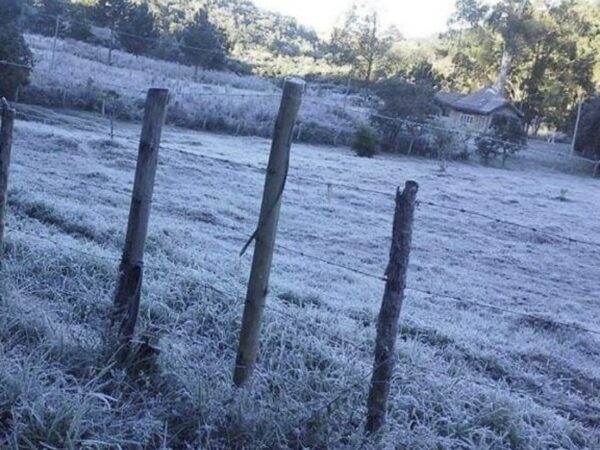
point(369, 70)
point(505, 68)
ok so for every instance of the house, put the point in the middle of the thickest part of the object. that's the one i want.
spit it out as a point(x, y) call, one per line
point(475, 111)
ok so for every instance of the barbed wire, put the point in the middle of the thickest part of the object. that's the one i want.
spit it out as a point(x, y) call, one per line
point(331, 263)
point(378, 277)
point(392, 195)
point(166, 207)
point(382, 278)
point(514, 224)
point(15, 64)
point(337, 340)
point(502, 309)
point(234, 94)
point(442, 295)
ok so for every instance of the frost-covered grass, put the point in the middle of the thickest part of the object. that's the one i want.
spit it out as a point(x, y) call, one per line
point(215, 101)
point(466, 377)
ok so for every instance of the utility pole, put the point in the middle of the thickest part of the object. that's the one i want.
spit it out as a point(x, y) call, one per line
point(576, 126)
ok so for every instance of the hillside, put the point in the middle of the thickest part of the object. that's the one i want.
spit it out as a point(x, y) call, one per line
point(214, 100)
point(467, 376)
point(266, 41)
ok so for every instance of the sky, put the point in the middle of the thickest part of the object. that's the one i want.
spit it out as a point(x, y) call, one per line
point(414, 18)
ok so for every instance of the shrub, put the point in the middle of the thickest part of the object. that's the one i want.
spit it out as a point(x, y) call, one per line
point(504, 138)
point(446, 145)
point(365, 141)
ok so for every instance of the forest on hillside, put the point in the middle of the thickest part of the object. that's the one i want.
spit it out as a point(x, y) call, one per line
point(542, 54)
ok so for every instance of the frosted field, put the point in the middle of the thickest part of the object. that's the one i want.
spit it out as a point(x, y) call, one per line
point(467, 377)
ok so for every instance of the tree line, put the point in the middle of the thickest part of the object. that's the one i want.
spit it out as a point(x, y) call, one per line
point(539, 53)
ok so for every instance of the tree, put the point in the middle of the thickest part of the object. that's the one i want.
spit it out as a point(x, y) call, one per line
point(360, 43)
point(110, 13)
point(508, 24)
point(504, 138)
point(42, 19)
point(588, 136)
point(203, 44)
point(136, 29)
point(422, 72)
point(365, 141)
point(15, 71)
point(403, 100)
point(78, 25)
point(12, 10)
point(540, 53)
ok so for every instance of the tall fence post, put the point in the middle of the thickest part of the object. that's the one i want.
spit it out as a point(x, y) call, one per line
point(266, 230)
point(6, 134)
point(387, 324)
point(112, 43)
point(54, 42)
point(127, 295)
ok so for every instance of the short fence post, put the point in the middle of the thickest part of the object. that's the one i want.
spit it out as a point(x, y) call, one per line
point(6, 135)
point(127, 295)
point(387, 324)
point(267, 230)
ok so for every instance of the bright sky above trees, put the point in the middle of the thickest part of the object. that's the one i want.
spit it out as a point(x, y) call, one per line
point(414, 18)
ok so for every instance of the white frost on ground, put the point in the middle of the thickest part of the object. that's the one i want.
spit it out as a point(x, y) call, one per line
point(467, 377)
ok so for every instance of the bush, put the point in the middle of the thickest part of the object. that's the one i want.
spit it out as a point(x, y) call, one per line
point(446, 145)
point(504, 138)
point(365, 141)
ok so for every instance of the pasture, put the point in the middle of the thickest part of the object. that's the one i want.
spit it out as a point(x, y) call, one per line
point(523, 376)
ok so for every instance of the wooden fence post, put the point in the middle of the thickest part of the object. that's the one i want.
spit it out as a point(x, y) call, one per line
point(387, 324)
point(266, 230)
point(54, 42)
point(127, 295)
point(6, 133)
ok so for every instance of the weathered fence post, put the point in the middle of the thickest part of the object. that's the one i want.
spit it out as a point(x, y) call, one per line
point(387, 324)
point(54, 42)
point(127, 295)
point(266, 230)
point(112, 43)
point(6, 132)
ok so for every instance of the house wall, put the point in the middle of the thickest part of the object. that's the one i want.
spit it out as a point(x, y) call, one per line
point(478, 123)
point(472, 122)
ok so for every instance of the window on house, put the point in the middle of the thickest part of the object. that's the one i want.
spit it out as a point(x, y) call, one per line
point(466, 119)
